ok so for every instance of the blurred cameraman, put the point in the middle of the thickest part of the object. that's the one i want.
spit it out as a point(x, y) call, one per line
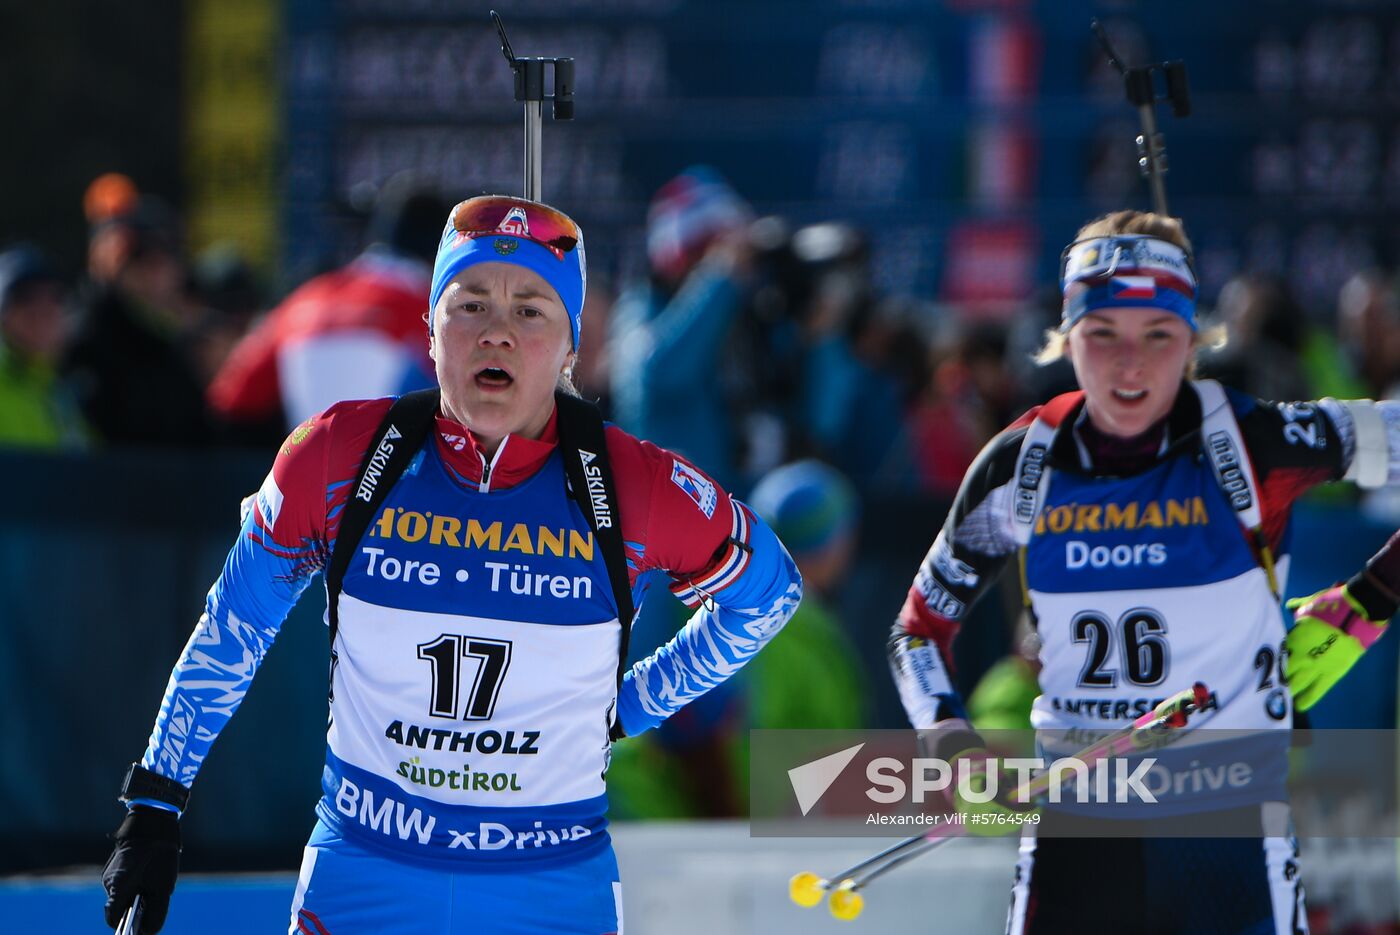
point(753, 344)
point(670, 334)
point(830, 357)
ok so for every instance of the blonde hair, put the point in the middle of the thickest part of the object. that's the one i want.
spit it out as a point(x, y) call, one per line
point(1152, 225)
point(565, 383)
point(1137, 222)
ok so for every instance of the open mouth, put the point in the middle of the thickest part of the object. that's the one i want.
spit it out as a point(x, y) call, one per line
point(1129, 396)
point(493, 378)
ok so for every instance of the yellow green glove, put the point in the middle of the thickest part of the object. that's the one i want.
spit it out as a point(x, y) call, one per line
point(1330, 632)
point(1001, 815)
point(957, 744)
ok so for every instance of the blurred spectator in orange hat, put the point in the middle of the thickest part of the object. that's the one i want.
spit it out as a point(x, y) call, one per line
point(36, 409)
point(357, 332)
point(128, 364)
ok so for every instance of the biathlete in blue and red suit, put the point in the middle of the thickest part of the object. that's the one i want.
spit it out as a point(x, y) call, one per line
point(1147, 516)
point(476, 636)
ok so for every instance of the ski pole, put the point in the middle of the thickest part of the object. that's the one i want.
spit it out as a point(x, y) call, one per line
point(843, 889)
point(130, 923)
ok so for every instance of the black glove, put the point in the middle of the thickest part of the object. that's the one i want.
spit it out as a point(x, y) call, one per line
point(949, 742)
point(955, 741)
point(144, 863)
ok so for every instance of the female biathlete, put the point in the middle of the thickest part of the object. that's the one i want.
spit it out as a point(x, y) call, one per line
point(1147, 516)
point(476, 629)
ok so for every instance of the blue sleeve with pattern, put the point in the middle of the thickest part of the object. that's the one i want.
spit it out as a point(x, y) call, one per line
point(743, 601)
point(259, 584)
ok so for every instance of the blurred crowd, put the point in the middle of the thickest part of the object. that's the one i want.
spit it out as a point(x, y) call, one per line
point(151, 347)
point(760, 349)
point(750, 344)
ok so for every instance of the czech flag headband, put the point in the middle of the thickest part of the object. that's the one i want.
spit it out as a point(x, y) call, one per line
point(1126, 271)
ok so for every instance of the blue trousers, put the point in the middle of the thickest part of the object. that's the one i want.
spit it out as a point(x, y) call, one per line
point(345, 889)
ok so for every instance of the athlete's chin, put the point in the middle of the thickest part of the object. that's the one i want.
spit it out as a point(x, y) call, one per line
point(487, 413)
point(497, 413)
point(1128, 423)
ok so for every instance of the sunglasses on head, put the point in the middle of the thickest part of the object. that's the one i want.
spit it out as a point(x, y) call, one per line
point(1097, 258)
point(503, 215)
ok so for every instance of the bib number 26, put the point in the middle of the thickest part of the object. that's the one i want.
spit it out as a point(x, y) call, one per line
point(1140, 638)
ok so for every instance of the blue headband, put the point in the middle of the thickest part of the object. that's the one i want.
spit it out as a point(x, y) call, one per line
point(1126, 292)
point(567, 275)
point(1127, 271)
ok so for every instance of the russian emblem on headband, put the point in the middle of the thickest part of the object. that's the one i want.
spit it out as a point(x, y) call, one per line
point(505, 246)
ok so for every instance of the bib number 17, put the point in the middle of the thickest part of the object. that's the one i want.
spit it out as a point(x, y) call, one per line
point(450, 677)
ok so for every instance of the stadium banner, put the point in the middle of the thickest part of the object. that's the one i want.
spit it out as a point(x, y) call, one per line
point(232, 126)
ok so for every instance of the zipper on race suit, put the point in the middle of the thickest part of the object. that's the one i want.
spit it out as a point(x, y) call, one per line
point(487, 466)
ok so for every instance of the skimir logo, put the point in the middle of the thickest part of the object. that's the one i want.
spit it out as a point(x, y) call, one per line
point(381, 457)
point(593, 474)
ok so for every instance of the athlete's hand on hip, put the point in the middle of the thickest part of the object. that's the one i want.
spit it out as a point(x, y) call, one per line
point(144, 863)
point(1330, 632)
